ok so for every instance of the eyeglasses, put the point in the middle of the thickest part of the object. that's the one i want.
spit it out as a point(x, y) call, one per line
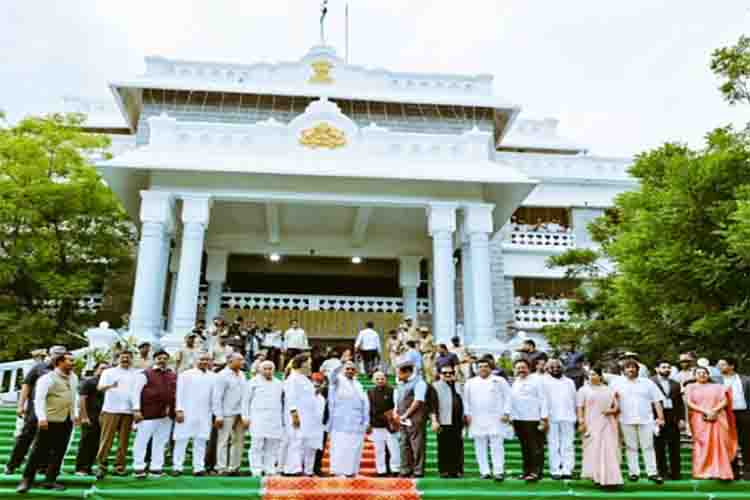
point(447, 373)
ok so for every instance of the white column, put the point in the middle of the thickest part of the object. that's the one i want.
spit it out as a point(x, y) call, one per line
point(477, 228)
point(441, 225)
point(156, 218)
point(161, 280)
point(174, 267)
point(195, 214)
point(408, 280)
point(468, 291)
point(216, 275)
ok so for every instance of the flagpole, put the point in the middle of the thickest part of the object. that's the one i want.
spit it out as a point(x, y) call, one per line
point(346, 31)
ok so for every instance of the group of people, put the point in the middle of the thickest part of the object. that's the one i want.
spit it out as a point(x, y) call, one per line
point(215, 402)
point(551, 226)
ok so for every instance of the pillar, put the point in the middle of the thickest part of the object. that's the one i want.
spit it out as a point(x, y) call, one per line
point(216, 275)
point(477, 227)
point(161, 280)
point(441, 225)
point(156, 214)
point(467, 289)
point(408, 280)
point(174, 267)
point(195, 214)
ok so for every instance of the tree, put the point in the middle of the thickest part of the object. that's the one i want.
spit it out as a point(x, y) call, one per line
point(63, 231)
point(732, 64)
point(679, 244)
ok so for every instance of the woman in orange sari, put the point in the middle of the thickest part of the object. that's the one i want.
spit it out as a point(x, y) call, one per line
point(713, 427)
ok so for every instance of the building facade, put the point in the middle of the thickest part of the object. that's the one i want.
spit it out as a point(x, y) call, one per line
point(341, 192)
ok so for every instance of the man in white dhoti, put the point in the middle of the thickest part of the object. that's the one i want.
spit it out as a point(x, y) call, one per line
point(229, 392)
point(560, 392)
point(349, 410)
point(193, 420)
point(487, 409)
point(263, 414)
point(304, 419)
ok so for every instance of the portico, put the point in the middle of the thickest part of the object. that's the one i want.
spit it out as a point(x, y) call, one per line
point(319, 184)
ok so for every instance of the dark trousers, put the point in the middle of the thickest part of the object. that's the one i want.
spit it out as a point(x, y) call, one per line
point(742, 418)
point(318, 468)
point(24, 441)
point(532, 445)
point(412, 449)
point(49, 450)
point(668, 438)
point(450, 450)
point(370, 359)
point(88, 447)
point(210, 461)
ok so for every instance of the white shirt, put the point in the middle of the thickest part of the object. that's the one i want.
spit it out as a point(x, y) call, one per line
point(486, 401)
point(738, 396)
point(263, 406)
point(664, 383)
point(561, 398)
point(528, 400)
point(229, 393)
point(367, 340)
point(272, 339)
point(193, 398)
point(42, 389)
point(636, 399)
point(118, 399)
point(295, 338)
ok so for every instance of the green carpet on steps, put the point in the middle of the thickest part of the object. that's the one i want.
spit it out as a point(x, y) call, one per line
point(431, 487)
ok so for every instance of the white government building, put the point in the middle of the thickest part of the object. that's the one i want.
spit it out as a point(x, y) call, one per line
point(334, 193)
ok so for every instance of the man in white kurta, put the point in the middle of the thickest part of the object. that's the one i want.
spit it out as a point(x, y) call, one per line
point(295, 340)
point(303, 419)
point(560, 392)
point(349, 410)
point(368, 345)
point(193, 419)
point(487, 409)
point(264, 414)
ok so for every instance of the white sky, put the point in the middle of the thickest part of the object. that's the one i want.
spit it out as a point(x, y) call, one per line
point(622, 76)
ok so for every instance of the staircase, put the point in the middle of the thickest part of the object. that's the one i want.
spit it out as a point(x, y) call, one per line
point(365, 487)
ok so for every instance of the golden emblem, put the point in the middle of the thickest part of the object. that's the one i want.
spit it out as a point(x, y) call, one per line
point(321, 72)
point(323, 135)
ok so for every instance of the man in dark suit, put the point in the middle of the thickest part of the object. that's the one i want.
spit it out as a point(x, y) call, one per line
point(674, 414)
point(740, 387)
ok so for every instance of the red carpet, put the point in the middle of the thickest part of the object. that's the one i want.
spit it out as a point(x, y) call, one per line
point(366, 466)
point(306, 488)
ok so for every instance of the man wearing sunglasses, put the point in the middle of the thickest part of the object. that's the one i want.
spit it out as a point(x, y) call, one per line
point(447, 422)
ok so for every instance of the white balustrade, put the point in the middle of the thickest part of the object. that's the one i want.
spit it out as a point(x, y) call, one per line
point(88, 303)
point(535, 317)
point(299, 302)
point(554, 167)
point(540, 239)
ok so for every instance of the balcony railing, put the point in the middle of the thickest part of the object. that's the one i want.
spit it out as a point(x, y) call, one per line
point(540, 239)
point(300, 302)
point(535, 317)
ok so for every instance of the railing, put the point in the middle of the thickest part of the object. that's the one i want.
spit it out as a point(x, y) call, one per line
point(13, 373)
point(298, 302)
point(535, 317)
point(540, 239)
point(87, 303)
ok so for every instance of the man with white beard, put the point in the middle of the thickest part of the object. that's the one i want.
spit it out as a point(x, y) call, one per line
point(560, 392)
point(263, 413)
point(349, 410)
point(304, 419)
point(193, 420)
point(487, 410)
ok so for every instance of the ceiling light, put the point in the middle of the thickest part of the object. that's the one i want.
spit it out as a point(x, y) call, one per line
point(274, 257)
point(356, 260)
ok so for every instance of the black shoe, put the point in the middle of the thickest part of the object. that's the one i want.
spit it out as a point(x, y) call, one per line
point(556, 477)
point(567, 477)
point(633, 478)
point(176, 473)
point(101, 474)
point(24, 486)
point(499, 478)
point(485, 476)
point(8, 471)
point(418, 476)
point(54, 485)
point(405, 474)
point(156, 473)
point(656, 479)
point(201, 473)
point(139, 474)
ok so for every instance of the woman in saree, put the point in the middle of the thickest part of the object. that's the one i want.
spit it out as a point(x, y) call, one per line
point(597, 420)
point(712, 426)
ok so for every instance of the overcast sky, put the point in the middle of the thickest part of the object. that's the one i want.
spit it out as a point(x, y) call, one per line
point(621, 76)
